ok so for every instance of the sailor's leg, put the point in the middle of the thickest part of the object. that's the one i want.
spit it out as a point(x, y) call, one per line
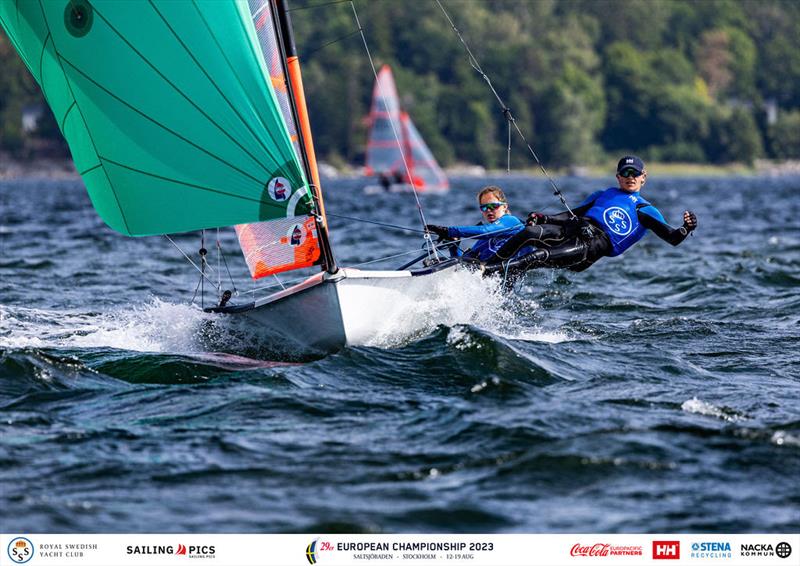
point(567, 254)
point(538, 236)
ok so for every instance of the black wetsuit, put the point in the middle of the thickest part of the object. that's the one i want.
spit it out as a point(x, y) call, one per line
point(576, 243)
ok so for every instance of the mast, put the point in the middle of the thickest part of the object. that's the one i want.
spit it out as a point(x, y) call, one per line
point(298, 99)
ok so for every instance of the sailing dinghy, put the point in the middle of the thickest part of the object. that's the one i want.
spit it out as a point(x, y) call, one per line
point(185, 116)
point(398, 166)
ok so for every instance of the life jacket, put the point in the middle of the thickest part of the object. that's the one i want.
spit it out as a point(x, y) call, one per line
point(614, 211)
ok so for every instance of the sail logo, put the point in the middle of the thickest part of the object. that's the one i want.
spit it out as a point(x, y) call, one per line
point(20, 550)
point(279, 189)
point(296, 235)
point(618, 220)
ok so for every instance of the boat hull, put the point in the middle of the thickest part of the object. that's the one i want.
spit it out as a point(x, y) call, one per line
point(327, 312)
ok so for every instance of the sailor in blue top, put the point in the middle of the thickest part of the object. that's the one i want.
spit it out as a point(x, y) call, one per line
point(607, 223)
point(495, 230)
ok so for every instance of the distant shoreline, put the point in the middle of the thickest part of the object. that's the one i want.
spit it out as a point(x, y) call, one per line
point(47, 168)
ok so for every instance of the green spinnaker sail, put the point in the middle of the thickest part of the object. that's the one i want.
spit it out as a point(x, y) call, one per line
point(166, 108)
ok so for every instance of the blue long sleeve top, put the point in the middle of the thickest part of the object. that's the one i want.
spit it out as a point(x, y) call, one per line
point(488, 237)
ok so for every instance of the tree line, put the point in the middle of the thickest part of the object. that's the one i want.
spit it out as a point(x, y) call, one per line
point(672, 80)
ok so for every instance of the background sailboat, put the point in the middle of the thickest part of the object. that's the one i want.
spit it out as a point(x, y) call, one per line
point(397, 156)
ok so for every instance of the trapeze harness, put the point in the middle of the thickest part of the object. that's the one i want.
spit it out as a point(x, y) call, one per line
point(607, 223)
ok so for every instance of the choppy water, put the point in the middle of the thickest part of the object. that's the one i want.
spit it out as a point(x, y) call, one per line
point(656, 392)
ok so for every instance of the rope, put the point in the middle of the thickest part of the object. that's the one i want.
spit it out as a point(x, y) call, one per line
point(225, 261)
point(385, 224)
point(171, 241)
point(430, 247)
point(317, 5)
point(506, 110)
point(321, 47)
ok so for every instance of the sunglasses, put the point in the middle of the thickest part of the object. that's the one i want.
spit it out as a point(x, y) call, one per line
point(491, 206)
point(630, 173)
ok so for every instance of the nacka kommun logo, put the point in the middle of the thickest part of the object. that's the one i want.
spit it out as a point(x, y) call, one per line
point(20, 550)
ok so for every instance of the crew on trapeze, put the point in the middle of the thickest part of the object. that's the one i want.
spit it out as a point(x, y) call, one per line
point(607, 223)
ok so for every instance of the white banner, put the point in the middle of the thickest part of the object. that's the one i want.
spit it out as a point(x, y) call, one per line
point(420, 550)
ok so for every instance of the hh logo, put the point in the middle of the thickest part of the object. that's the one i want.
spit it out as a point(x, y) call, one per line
point(666, 549)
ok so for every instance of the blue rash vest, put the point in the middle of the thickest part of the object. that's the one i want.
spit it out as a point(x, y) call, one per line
point(490, 237)
point(616, 212)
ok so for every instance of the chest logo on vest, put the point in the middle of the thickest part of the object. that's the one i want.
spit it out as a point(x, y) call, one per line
point(618, 220)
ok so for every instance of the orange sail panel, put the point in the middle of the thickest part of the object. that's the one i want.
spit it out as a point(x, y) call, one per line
point(292, 242)
point(279, 245)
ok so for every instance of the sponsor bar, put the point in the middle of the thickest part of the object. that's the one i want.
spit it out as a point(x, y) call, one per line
point(417, 549)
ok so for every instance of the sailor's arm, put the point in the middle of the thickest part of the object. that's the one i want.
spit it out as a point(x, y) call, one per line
point(651, 218)
point(564, 217)
point(474, 230)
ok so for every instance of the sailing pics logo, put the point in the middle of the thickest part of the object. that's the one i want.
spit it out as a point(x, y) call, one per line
point(279, 189)
point(20, 550)
point(618, 221)
point(191, 551)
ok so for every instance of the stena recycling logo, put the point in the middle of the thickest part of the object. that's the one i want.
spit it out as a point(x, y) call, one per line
point(618, 221)
point(711, 550)
point(20, 550)
point(666, 550)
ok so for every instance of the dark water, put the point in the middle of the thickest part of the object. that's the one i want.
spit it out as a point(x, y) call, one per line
point(659, 392)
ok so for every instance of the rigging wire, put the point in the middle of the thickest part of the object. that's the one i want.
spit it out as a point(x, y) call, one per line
point(384, 224)
point(321, 47)
point(431, 248)
point(506, 110)
point(171, 241)
point(317, 5)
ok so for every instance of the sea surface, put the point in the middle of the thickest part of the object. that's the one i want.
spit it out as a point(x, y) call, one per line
point(656, 392)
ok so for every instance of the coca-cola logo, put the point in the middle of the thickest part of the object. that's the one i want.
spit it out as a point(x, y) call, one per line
point(594, 550)
point(605, 549)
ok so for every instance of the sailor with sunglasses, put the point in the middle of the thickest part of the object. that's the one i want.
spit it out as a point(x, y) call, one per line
point(607, 223)
point(495, 230)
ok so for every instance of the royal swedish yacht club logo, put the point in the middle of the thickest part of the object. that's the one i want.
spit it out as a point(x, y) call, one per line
point(618, 220)
point(20, 550)
point(279, 189)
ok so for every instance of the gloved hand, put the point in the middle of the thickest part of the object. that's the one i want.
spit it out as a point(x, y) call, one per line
point(536, 218)
point(440, 231)
point(689, 220)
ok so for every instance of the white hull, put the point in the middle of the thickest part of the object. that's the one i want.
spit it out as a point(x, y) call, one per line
point(325, 313)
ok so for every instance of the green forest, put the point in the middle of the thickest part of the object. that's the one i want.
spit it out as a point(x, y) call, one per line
point(701, 81)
